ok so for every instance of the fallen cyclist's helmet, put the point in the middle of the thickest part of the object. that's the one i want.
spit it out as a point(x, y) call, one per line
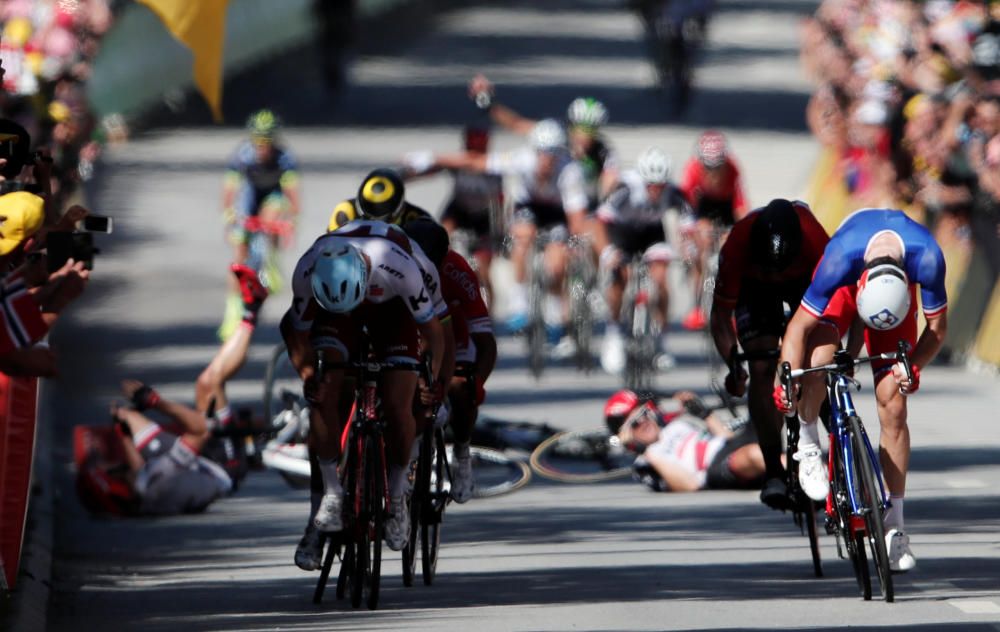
point(711, 149)
point(618, 408)
point(548, 135)
point(587, 112)
point(263, 125)
point(654, 166)
point(430, 236)
point(776, 236)
point(340, 278)
point(381, 195)
point(883, 297)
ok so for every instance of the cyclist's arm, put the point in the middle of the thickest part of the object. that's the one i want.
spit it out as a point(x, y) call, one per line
point(723, 329)
point(856, 337)
point(717, 427)
point(300, 352)
point(574, 198)
point(509, 119)
point(793, 343)
point(486, 355)
point(290, 189)
point(676, 476)
point(931, 339)
point(740, 207)
point(432, 332)
point(447, 370)
point(467, 161)
point(230, 187)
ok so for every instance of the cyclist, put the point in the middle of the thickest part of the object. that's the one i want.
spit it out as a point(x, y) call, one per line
point(766, 263)
point(868, 274)
point(261, 181)
point(474, 341)
point(476, 198)
point(712, 185)
point(363, 277)
point(585, 117)
point(548, 196)
point(684, 450)
point(632, 221)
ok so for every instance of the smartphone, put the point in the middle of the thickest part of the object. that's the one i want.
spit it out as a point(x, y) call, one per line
point(97, 224)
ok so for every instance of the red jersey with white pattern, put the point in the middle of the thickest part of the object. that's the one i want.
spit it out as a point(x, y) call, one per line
point(460, 288)
point(688, 444)
point(735, 260)
point(395, 271)
point(719, 184)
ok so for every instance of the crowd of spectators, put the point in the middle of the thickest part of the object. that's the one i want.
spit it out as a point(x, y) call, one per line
point(47, 48)
point(909, 105)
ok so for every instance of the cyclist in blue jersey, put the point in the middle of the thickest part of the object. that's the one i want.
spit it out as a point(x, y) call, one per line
point(865, 287)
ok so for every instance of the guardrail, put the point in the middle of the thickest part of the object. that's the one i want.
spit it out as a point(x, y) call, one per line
point(18, 408)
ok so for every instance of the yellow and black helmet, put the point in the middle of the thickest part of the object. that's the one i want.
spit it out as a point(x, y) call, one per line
point(343, 213)
point(381, 195)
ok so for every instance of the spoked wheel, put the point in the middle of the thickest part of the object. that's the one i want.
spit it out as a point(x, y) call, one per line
point(332, 550)
point(430, 528)
point(813, 533)
point(536, 324)
point(583, 326)
point(496, 473)
point(586, 456)
point(373, 529)
point(861, 565)
point(871, 498)
point(346, 571)
point(418, 507)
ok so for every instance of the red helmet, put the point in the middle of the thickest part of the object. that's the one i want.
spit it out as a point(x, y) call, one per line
point(103, 493)
point(618, 408)
point(711, 149)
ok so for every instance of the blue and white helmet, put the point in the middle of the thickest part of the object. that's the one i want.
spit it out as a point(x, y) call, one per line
point(340, 278)
point(883, 296)
point(547, 135)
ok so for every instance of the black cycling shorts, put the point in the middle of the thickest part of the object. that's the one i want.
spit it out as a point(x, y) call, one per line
point(760, 309)
point(541, 215)
point(476, 220)
point(634, 239)
point(719, 211)
point(720, 476)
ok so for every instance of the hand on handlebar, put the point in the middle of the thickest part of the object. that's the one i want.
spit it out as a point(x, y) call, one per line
point(906, 386)
point(783, 401)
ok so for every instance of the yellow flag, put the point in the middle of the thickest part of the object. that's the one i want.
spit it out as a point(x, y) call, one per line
point(201, 26)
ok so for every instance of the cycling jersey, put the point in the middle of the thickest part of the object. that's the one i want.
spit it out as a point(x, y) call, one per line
point(718, 197)
point(398, 268)
point(475, 193)
point(260, 179)
point(631, 205)
point(688, 444)
point(843, 260)
point(736, 266)
point(460, 288)
point(598, 158)
point(565, 188)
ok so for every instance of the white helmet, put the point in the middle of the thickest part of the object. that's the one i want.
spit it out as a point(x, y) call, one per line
point(587, 112)
point(548, 135)
point(654, 166)
point(883, 296)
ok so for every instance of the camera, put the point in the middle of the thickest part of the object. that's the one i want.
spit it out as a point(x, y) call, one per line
point(78, 246)
point(14, 143)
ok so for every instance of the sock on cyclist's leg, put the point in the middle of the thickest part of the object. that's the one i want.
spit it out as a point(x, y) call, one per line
point(224, 417)
point(331, 481)
point(397, 480)
point(314, 500)
point(893, 518)
point(461, 450)
point(772, 463)
point(808, 432)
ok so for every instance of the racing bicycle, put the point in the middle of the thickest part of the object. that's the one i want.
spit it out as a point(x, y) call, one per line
point(641, 329)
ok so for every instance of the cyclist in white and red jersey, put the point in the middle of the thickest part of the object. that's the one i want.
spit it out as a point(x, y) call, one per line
point(475, 343)
point(549, 198)
point(712, 184)
point(868, 274)
point(633, 221)
point(364, 276)
point(681, 451)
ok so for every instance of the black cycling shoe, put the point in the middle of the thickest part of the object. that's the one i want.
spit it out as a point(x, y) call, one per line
point(775, 494)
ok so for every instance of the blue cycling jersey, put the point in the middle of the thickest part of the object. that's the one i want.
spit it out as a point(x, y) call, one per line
point(262, 178)
point(843, 259)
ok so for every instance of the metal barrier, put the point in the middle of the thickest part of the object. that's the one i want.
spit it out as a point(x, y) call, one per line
point(18, 408)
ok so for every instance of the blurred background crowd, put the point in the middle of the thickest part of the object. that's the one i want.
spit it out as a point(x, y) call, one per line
point(907, 109)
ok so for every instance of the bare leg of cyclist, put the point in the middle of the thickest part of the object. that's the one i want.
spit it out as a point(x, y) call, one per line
point(398, 388)
point(211, 384)
point(464, 411)
point(484, 258)
point(894, 439)
point(766, 419)
point(658, 275)
point(523, 236)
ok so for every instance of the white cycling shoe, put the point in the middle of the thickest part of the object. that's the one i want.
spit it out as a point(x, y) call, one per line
point(900, 556)
point(613, 353)
point(463, 485)
point(309, 552)
point(397, 527)
point(812, 472)
point(329, 516)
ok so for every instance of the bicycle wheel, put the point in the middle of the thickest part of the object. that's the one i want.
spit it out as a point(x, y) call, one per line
point(804, 507)
point(841, 519)
point(861, 565)
point(871, 498)
point(536, 324)
point(346, 570)
point(418, 500)
point(430, 528)
point(374, 525)
point(581, 456)
point(813, 533)
point(332, 549)
point(495, 473)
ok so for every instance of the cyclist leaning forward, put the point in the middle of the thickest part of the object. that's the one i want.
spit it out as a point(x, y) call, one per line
point(631, 222)
point(766, 262)
point(868, 275)
point(549, 199)
point(367, 275)
point(712, 184)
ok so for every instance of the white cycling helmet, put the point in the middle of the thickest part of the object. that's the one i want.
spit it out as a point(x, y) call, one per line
point(548, 135)
point(883, 296)
point(654, 166)
point(587, 112)
point(340, 278)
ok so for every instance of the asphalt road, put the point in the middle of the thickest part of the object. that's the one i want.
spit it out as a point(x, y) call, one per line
point(551, 556)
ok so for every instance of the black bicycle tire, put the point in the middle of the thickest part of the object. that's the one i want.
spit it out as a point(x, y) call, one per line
point(873, 517)
point(348, 481)
point(842, 517)
point(430, 529)
point(376, 510)
point(520, 472)
point(862, 571)
point(324, 572)
point(346, 570)
point(536, 461)
point(812, 531)
point(418, 499)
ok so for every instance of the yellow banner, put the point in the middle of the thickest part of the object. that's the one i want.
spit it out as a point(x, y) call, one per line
point(201, 26)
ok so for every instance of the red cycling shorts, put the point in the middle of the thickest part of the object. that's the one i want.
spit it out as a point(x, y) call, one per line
point(843, 310)
point(391, 329)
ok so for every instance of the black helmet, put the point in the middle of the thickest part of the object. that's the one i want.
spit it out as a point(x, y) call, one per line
point(381, 194)
point(430, 236)
point(776, 236)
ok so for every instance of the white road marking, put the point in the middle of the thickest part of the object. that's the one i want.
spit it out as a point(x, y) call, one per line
point(967, 483)
point(975, 607)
